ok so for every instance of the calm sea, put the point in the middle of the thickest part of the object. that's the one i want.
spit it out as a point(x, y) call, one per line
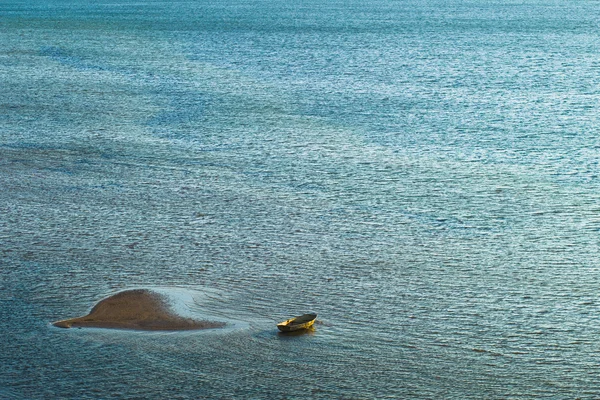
point(422, 174)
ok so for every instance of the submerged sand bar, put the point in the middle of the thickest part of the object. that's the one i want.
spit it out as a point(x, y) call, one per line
point(139, 309)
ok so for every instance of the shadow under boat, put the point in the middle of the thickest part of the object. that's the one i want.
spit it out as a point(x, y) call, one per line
point(300, 332)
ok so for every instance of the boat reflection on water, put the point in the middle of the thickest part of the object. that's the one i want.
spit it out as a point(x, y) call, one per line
point(300, 332)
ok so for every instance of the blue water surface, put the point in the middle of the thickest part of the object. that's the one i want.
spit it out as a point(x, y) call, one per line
point(422, 174)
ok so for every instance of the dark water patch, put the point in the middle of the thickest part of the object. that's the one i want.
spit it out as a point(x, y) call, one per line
point(68, 59)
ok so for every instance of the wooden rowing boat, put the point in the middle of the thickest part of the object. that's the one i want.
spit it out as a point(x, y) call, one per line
point(304, 321)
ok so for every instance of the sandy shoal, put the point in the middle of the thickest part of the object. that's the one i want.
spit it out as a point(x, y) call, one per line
point(139, 309)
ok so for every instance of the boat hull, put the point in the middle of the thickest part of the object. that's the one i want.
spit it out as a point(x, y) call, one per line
point(305, 321)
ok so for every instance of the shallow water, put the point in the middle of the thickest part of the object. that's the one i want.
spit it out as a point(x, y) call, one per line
point(423, 175)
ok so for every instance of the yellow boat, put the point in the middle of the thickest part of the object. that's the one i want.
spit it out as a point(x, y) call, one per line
point(304, 321)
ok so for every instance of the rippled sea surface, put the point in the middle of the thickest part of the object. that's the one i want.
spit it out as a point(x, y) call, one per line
point(422, 174)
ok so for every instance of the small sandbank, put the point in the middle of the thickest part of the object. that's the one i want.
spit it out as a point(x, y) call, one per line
point(139, 309)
